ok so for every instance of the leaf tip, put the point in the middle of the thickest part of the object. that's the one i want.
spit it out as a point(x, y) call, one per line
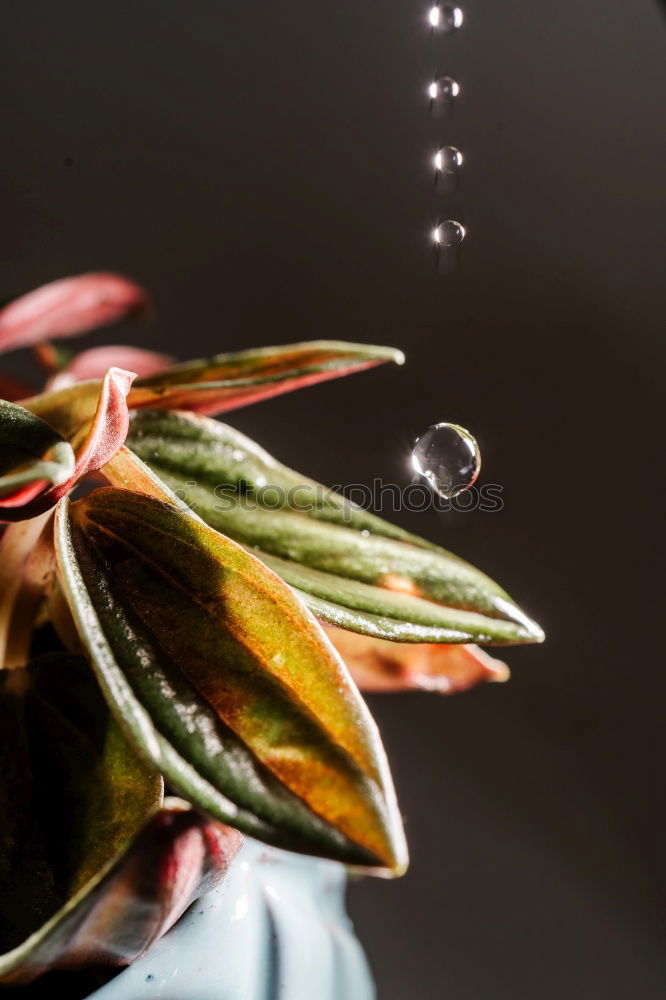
point(528, 630)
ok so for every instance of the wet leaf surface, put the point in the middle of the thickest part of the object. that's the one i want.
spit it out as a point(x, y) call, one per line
point(223, 680)
point(351, 568)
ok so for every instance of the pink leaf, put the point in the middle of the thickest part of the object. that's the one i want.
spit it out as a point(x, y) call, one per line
point(107, 432)
point(68, 307)
point(95, 362)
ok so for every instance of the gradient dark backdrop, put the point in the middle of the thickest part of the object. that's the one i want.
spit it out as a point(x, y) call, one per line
point(263, 168)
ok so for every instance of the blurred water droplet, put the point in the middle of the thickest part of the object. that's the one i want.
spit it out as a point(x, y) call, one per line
point(448, 233)
point(443, 89)
point(448, 160)
point(447, 456)
point(445, 17)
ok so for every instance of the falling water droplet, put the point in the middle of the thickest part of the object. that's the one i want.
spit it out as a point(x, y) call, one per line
point(443, 88)
point(448, 233)
point(442, 92)
point(445, 17)
point(448, 457)
point(448, 160)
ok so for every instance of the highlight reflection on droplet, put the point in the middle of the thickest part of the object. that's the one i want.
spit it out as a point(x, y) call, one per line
point(445, 17)
point(448, 456)
point(443, 91)
point(448, 160)
point(448, 233)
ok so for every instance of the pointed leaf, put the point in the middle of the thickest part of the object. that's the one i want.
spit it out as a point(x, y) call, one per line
point(228, 381)
point(108, 429)
point(379, 665)
point(68, 307)
point(352, 568)
point(388, 614)
point(222, 679)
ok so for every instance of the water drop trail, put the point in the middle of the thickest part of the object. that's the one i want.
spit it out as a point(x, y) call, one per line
point(442, 93)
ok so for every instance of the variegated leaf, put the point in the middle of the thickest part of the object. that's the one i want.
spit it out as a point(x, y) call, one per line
point(228, 381)
point(223, 680)
point(352, 568)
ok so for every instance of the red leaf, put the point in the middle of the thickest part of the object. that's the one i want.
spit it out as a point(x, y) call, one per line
point(68, 307)
point(447, 668)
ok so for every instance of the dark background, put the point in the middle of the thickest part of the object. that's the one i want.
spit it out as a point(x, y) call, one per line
point(263, 168)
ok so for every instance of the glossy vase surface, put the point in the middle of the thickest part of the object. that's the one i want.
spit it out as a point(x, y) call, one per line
point(276, 929)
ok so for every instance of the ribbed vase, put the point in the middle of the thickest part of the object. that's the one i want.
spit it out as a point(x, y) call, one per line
point(276, 929)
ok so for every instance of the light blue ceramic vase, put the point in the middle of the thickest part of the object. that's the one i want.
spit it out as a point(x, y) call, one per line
point(276, 929)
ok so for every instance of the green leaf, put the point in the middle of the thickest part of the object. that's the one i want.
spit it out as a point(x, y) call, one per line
point(72, 795)
point(388, 614)
point(33, 457)
point(350, 567)
point(217, 455)
point(221, 679)
point(227, 381)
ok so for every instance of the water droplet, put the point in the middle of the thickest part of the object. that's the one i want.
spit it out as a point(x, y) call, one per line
point(445, 17)
point(448, 160)
point(448, 457)
point(448, 233)
point(443, 91)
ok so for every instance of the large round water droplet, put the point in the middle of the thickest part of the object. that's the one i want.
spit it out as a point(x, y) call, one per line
point(448, 457)
point(443, 91)
point(448, 160)
point(445, 17)
point(449, 233)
